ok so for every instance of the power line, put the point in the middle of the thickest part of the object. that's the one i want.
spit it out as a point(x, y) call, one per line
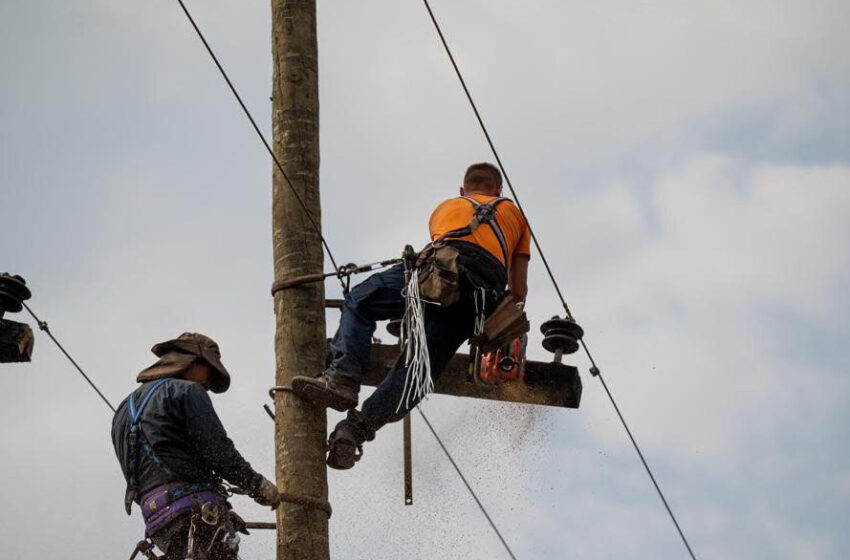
point(594, 369)
point(646, 466)
point(260, 134)
point(498, 159)
point(43, 326)
point(468, 487)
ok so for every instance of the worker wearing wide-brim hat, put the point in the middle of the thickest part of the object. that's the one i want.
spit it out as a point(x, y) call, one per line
point(175, 357)
point(174, 452)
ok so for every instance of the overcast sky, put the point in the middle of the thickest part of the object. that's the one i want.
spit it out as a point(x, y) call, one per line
point(686, 166)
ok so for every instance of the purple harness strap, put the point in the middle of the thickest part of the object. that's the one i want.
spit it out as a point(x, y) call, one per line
point(166, 502)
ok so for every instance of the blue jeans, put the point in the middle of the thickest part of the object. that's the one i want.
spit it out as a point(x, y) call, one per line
point(379, 298)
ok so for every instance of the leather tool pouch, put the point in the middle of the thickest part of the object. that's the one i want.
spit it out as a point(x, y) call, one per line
point(506, 323)
point(439, 274)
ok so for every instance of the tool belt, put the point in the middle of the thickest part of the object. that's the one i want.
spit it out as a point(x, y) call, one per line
point(439, 274)
point(507, 322)
point(444, 267)
point(165, 503)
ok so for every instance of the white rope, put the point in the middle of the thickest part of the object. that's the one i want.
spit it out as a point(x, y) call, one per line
point(480, 300)
point(417, 383)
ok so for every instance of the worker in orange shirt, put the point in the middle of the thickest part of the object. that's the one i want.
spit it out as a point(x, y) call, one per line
point(488, 258)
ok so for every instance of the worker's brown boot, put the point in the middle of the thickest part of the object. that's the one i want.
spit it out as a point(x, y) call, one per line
point(326, 391)
point(344, 449)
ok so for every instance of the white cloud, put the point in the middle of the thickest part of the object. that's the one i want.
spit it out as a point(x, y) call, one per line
point(692, 310)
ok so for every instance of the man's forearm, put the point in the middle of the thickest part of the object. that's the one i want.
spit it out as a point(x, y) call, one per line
point(519, 277)
point(210, 441)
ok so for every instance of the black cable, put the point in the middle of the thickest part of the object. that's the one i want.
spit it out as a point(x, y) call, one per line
point(43, 326)
point(259, 133)
point(498, 159)
point(468, 487)
point(646, 466)
point(594, 369)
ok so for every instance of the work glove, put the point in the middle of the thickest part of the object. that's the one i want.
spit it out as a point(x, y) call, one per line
point(266, 494)
point(238, 523)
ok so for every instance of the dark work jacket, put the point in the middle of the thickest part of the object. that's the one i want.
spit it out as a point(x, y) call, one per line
point(185, 434)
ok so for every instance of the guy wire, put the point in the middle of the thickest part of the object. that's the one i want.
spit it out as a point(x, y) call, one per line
point(468, 487)
point(43, 326)
point(260, 134)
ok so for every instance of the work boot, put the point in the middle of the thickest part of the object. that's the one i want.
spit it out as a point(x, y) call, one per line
point(326, 391)
point(346, 441)
point(344, 449)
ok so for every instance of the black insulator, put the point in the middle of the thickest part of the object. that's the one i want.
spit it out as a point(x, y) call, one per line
point(13, 291)
point(555, 342)
point(562, 326)
point(561, 335)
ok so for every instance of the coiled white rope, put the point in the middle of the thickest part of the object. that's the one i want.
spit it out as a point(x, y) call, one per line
point(417, 383)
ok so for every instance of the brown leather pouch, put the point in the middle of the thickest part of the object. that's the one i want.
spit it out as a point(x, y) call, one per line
point(439, 275)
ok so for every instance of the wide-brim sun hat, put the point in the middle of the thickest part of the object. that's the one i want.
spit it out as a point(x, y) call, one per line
point(176, 355)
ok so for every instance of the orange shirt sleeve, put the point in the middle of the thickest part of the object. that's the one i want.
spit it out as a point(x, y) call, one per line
point(520, 231)
point(523, 247)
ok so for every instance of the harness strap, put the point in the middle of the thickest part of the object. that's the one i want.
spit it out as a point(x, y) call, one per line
point(136, 414)
point(482, 212)
point(135, 440)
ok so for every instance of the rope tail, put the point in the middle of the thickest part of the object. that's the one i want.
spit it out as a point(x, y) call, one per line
point(417, 383)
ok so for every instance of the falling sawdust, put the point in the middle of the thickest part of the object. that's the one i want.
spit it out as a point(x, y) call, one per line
point(488, 432)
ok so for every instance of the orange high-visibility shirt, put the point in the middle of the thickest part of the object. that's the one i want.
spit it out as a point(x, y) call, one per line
point(456, 213)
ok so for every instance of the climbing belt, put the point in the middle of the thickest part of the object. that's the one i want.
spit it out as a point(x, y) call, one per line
point(286, 497)
point(344, 273)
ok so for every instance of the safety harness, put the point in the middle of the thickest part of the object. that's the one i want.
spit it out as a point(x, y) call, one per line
point(503, 356)
point(135, 440)
point(433, 277)
point(482, 212)
point(164, 503)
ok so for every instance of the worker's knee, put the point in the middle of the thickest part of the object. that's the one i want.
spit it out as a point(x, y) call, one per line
point(375, 299)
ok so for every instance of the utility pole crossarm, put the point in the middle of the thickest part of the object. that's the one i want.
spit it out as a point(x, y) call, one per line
point(546, 383)
point(16, 341)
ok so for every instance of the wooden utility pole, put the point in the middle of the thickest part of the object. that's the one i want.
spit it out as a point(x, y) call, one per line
point(300, 347)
